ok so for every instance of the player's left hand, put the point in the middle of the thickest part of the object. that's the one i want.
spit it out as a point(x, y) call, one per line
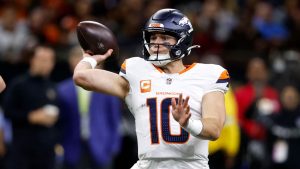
point(181, 110)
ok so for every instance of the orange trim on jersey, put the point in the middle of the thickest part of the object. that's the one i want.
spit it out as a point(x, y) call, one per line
point(188, 67)
point(159, 69)
point(123, 66)
point(224, 75)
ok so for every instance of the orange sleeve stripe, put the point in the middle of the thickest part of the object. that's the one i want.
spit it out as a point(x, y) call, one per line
point(123, 67)
point(224, 75)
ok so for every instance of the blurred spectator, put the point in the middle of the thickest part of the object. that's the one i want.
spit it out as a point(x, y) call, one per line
point(214, 12)
point(36, 21)
point(130, 19)
point(284, 131)
point(269, 22)
point(213, 26)
point(91, 134)
point(264, 21)
point(31, 105)
point(2, 141)
point(286, 68)
point(5, 140)
point(83, 10)
point(255, 99)
point(243, 43)
point(42, 27)
point(292, 22)
point(14, 35)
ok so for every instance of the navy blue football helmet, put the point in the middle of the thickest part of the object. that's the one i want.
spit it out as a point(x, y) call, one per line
point(171, 22)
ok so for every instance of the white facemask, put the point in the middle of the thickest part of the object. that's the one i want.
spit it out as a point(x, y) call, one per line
point(161, 57)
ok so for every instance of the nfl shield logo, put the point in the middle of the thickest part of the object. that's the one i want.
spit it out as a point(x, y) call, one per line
point(169, 81)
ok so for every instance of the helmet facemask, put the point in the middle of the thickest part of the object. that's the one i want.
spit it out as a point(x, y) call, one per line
point(159, 59)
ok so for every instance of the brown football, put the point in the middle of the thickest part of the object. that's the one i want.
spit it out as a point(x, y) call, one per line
point(95, 38)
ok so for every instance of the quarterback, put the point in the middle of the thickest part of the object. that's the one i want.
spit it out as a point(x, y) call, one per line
point(177, 108)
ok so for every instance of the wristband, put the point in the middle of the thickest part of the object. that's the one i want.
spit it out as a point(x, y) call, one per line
point(194, 127)
point(91, 61)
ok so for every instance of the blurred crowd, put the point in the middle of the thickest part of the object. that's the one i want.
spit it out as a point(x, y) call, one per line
point(257, 41)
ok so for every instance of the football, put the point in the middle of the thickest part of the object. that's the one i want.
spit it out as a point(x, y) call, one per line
point(95, 38)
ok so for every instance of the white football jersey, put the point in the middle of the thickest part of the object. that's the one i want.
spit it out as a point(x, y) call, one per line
point(159, 135)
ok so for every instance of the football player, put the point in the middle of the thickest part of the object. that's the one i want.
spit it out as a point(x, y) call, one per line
point(2, 84)
point(177, 108)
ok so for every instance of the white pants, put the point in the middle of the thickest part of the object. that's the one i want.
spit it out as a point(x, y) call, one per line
point(170, 164)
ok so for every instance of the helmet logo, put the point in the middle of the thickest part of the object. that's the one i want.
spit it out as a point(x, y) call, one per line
point(185, 21)
point(156, 25)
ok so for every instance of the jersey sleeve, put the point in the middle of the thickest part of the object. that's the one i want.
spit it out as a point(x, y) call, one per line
point(219, 81)
point(132, 68)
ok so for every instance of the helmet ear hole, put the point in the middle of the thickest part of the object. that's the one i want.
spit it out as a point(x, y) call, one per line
point(178, 52)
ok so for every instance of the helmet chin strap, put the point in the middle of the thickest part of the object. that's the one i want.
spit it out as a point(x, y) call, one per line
point(158, 59)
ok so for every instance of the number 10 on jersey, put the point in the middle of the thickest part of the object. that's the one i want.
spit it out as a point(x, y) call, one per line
point(163, 110)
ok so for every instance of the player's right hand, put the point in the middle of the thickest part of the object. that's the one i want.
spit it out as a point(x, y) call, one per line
point(99, 58)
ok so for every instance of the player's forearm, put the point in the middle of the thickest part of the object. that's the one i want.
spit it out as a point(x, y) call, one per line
point(211, 129)
point(109, 83)
point(213, 115)
point(100, 80)
point(81, 75)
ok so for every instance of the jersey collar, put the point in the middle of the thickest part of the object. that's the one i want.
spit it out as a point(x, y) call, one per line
point(187, 68)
